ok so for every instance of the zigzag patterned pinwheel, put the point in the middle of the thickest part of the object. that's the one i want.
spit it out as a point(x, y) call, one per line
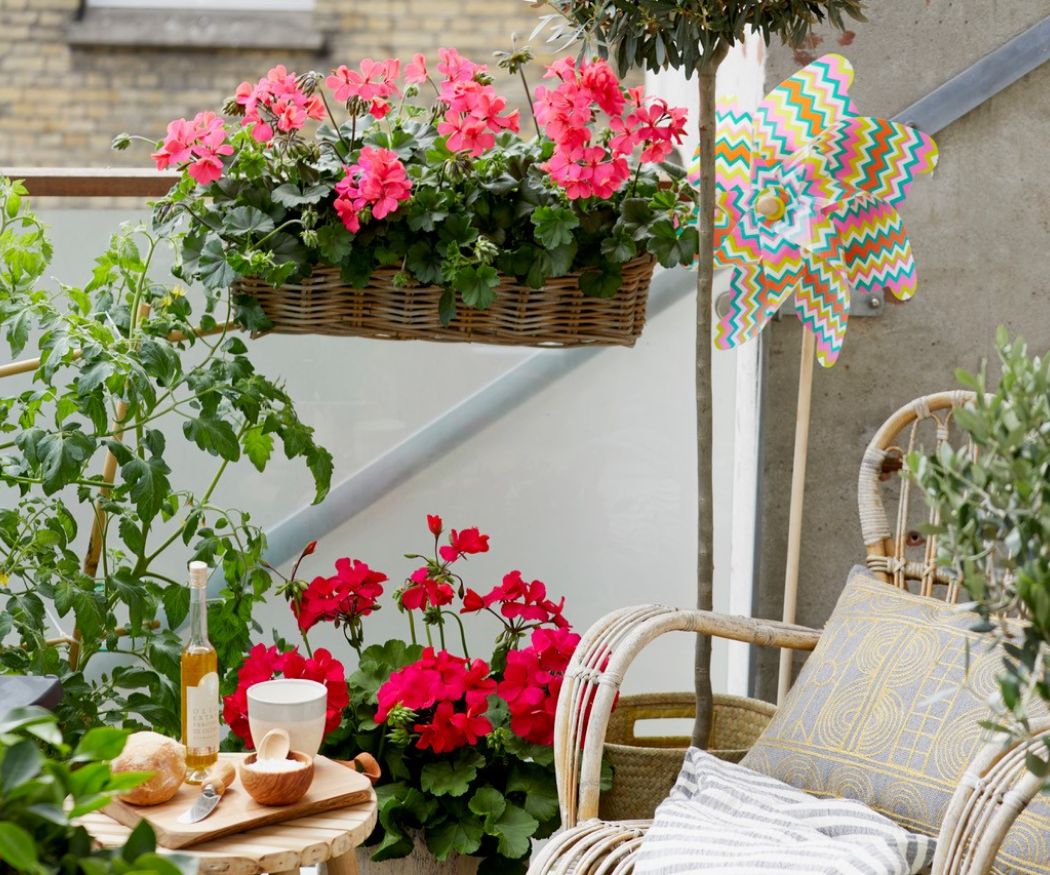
point(807, 191)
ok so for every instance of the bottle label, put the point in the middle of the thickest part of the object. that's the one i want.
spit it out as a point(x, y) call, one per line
point(202, 714)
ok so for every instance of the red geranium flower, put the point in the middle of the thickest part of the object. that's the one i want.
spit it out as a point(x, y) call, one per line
point(349, 594)
point(456, 689)
point(424, 591)
point(464, 543)
point(519, 600)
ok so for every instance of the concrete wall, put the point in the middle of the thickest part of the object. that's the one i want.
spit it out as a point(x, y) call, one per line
point(980, 227)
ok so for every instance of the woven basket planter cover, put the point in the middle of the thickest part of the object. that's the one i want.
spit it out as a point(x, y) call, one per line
point(558, 315)
point(645, 768)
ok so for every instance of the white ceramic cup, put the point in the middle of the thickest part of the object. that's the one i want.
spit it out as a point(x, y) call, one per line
point(293, 704)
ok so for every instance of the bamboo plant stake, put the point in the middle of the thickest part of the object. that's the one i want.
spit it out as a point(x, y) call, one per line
point(798, 494)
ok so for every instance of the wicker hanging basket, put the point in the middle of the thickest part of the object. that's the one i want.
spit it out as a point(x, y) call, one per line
point(558, 315)
point(645, 767)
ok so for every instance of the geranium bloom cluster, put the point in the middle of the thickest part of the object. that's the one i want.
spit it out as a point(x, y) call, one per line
point(264, 663)
point(199, 145)
point(375, 185)
point(373, 83)
point(474, 112)
point(582, 166)
point(345, 597)
point(277, 101)
point(532, 680)
point(430, 586)
point(520, 602)
point(447, 694)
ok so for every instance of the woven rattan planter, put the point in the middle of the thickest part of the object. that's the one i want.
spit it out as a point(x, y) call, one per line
point(645, 768)
point(557, 315)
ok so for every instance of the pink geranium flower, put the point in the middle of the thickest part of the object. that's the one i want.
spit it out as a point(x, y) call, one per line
point(457, 68)
point(277, 100)
point(416, 70)
point(374, 82)
point(198, 145)
point(377, 183)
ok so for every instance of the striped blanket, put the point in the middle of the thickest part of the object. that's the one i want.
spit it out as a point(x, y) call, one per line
point(723, 819)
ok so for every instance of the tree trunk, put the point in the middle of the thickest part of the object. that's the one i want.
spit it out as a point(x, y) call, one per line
point(704, 293)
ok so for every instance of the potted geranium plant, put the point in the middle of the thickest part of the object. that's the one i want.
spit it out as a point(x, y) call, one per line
point(464, 743)
point(347, 204)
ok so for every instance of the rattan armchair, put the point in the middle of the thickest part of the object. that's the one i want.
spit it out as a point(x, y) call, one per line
point(994, 790)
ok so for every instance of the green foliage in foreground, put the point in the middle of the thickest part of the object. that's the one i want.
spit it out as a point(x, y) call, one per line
point(45, 786)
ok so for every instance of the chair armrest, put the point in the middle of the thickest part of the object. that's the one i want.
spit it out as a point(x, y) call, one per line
point(593, 678)
point(993, 792)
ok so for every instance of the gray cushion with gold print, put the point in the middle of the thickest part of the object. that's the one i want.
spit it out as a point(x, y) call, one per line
point(886, 712)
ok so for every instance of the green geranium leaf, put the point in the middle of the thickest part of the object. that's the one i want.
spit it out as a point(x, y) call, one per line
point(477, 284)
point(514, 829)
point(673, 246)
point(554, 225)
point(334, 242)
point(488, 803)
point(539, 793)
point(603, 282)
point(242, 221)
point(291, 195)
point(424, 262)
point(461, 836)
point(213, 267)
point(447, 307)
point(451, 778)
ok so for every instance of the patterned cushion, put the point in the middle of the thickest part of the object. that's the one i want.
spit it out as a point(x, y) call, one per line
point(725, 819)
point(885, 712)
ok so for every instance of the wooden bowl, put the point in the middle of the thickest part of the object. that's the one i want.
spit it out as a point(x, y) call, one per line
point(277, 788)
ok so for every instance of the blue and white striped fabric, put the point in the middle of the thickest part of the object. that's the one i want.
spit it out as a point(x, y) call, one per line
point(723, 819)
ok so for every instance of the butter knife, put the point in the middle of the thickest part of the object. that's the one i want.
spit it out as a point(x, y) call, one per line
point(214, 785)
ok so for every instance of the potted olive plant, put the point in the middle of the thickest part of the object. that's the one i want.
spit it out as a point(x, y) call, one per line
point(993, 503)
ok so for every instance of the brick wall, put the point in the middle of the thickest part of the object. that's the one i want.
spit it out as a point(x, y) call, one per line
point(60, 104)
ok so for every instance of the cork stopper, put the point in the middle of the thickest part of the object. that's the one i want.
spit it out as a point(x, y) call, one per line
point(198, 575)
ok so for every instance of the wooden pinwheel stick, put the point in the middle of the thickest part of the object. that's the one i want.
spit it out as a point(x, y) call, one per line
point(798, 490)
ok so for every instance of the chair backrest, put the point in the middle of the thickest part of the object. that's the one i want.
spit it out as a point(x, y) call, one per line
point(904, 555)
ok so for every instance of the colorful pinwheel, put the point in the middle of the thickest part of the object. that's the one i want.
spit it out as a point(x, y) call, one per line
point(807, 191)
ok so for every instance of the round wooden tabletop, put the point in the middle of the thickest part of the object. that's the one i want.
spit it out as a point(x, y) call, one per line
point(282, 848)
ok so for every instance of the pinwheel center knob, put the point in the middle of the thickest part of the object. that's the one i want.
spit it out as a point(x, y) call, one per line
point(770, 207)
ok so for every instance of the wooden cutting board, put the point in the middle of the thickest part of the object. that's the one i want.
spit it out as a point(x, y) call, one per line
point(334, 786)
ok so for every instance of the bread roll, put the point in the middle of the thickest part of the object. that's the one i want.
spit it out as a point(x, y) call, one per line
point(152, 752)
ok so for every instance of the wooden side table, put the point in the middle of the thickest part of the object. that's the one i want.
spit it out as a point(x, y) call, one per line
point(279, 849)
